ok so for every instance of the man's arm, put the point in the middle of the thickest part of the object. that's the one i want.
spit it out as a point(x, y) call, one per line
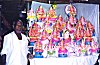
point(5, 50)
point(29, 55)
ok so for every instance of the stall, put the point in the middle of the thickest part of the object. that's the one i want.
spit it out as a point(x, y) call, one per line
point(63, 33)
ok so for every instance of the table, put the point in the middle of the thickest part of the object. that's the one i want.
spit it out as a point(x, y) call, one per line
point(82, 60)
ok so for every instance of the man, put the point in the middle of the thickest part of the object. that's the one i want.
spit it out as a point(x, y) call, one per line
point(15, 47)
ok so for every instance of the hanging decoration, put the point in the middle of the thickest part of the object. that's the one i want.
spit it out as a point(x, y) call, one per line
point(54, 6)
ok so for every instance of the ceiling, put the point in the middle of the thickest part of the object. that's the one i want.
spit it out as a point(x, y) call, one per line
point(62, 1)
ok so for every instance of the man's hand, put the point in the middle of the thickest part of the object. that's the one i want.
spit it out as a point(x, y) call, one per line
point(29, 56)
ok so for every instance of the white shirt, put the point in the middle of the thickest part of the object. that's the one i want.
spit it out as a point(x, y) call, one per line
point(16, 50)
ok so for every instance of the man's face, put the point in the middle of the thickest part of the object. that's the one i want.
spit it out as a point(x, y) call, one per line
point(18, 27)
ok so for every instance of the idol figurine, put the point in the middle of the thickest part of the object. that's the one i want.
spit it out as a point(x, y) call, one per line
point(67, 38)
point(55, 37)
point(88, 36)
point(31, 17)
point(72, 10)
point(40, 14)
point(52, 15)
point(78, 36)
point(83, 48)
point(44, 38)
point(70, 27)
point(38, 50)
point(88, 50)
point(72, 20)
point(94, 48)
point(82, 20)
point(91, 28)
point(34, 33)
point(51, 49)
point(62, 52)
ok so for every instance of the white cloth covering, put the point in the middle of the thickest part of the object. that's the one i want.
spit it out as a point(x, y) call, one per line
point(73, 60)
point(16, 50)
